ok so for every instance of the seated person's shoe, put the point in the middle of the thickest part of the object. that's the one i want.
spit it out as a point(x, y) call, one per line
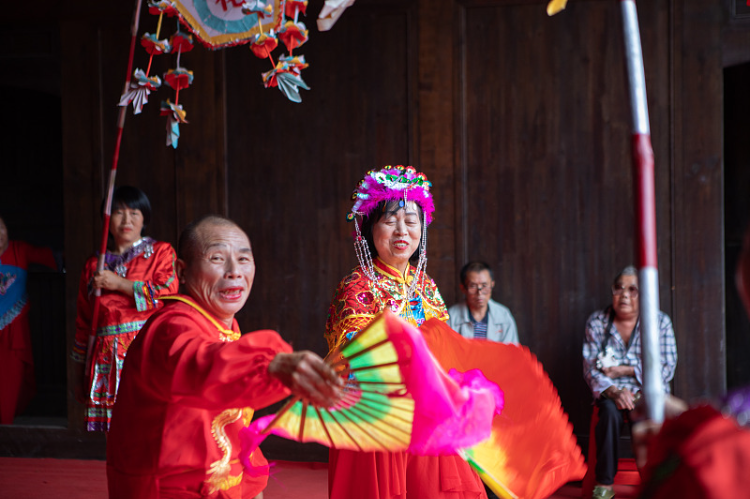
point(603, 493)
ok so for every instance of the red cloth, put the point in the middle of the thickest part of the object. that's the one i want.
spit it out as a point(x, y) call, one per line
point(178, 409)
point(18, 385)
point(120, 318)
point(700, 454)
point(532, 450)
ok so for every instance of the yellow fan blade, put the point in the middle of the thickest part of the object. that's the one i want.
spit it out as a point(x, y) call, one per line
point(489, 479)
point(555, 6)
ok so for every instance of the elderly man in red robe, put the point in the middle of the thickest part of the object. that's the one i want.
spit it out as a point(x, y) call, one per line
point(191, 382)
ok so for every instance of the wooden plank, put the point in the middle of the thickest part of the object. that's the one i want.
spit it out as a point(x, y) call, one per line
point(698, 198)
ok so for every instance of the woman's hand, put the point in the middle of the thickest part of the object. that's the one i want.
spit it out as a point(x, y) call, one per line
point(308, 376)
point(615, 372)
point(106, 279)
point(623, 399)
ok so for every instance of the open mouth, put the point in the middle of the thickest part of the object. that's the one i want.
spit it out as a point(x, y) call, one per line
point(231, 293)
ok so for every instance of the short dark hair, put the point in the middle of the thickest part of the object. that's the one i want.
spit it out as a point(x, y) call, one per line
point(388, 208)
point(629, 270)
point(189, 240)
point(133, 198)
point(475, 266)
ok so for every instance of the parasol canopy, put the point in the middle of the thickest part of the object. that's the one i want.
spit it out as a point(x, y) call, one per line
point(223, 23)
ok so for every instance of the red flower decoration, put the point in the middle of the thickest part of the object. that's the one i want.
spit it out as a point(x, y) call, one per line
point(263, 45)
point(293, 35)
point(294, 6)
point(154, 46)
point(179, 78)
point(181, 42)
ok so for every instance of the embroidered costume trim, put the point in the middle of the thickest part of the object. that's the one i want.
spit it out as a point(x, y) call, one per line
point(219, 477)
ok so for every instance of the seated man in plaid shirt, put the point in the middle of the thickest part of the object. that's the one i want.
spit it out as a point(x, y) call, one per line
point(613, 370)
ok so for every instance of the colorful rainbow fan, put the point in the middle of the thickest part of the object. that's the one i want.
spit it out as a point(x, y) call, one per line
point(397, 398)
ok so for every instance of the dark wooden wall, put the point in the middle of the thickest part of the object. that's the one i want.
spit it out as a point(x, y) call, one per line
point(521, 122)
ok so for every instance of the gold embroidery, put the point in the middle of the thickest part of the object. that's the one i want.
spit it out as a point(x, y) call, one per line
point(247, 415)
point(219, 477)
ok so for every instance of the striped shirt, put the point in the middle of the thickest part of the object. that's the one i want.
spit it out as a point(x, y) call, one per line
point(629, 355)
point(480, 328)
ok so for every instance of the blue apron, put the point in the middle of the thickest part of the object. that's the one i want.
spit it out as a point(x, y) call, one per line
point(12, 293)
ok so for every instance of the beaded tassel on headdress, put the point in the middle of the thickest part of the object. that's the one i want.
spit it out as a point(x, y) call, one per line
point(362, 250)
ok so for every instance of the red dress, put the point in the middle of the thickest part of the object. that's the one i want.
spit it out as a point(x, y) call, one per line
point(16, 359)
point(391, 475)
point(151, 267)
point(187, 389)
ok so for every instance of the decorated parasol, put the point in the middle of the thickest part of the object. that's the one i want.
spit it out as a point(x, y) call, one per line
point(397, 398)
point(645, 209)
point(217, 24)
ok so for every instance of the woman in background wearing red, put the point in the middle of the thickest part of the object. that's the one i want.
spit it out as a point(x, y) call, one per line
point(18, 385)
point(137, 270)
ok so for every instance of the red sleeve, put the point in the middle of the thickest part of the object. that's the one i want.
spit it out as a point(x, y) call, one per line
point(39, 255)
point(161, 281)
point(204, 372)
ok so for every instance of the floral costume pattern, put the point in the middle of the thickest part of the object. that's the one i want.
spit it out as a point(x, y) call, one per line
point(357, 301)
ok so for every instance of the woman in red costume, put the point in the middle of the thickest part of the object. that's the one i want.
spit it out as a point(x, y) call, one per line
point(16, 359)
point(137, 271)
point(394, 207)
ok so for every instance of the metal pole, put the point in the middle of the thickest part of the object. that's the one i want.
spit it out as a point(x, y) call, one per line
point(645, 223)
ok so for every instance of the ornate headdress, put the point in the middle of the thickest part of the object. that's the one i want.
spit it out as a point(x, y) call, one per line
point(391, 184)
point(399, 183)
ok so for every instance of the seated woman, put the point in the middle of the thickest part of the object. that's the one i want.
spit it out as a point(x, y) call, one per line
point(137, 270)
point(613, 370)
point(394, 207)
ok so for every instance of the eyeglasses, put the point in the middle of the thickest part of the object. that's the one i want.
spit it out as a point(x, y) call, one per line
point(478, 288)
point(620, 290)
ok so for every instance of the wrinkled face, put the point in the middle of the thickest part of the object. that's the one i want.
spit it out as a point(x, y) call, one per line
point(125, 225)
point(396, 236)
point(3, 236)
point(222, 271)
point(625, 296)
point(478, 289)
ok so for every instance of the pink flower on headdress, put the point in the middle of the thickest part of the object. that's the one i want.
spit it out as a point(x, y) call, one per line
point(391, 184)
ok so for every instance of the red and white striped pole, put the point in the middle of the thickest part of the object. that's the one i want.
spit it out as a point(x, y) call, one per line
point(645, 209)
point(111, 187)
